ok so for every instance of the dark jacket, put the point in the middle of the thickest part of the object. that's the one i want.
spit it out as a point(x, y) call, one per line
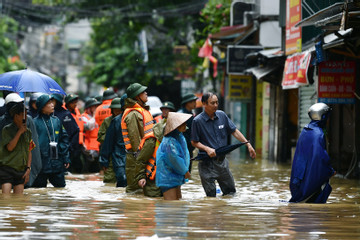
point(71, 127)
point(53, 126)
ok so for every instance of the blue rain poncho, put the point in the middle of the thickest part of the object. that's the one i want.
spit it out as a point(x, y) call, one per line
point(172, 160)
point(311, 168)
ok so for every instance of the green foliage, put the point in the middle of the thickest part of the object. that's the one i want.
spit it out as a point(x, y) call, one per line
point(113, 56)
point(214, 15)
point(9, 60)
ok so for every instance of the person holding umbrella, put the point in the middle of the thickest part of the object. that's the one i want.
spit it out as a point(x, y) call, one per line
point(11, 100)
point(15, 152)
point(210, 130)
point(53, 144)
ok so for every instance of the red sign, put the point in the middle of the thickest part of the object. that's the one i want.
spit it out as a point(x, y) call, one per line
point(336, 82)
point(293, 34)
point(295, 70)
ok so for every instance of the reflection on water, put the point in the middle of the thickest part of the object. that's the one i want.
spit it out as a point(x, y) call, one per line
point(89, 209)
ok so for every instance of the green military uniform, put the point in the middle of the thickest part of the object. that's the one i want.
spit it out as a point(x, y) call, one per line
point(16, 159)
point(135, 165)
point(109, 174)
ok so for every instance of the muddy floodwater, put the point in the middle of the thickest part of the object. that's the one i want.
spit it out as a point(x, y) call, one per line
point(89, 209)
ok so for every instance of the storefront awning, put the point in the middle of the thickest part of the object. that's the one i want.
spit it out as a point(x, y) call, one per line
point(338, 16)
point(234, 35)
point(272, 65)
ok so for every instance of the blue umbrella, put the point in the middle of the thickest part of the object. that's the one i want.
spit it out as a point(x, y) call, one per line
point(219, 151)
point(29, 81)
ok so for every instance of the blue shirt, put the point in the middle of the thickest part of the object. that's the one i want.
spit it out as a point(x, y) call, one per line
point(212, 133)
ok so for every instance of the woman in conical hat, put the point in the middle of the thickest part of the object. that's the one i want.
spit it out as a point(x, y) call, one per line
point(172, 157)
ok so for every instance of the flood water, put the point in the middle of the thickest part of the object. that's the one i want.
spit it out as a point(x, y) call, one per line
point(89, 209)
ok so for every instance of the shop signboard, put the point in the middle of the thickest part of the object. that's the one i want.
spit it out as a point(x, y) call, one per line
point(293, 34)
point(240, 87)
point(337, 82)
point(236, 63)
point(295, 70)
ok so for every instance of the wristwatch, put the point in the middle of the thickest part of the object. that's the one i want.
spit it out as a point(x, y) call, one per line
point(28, 168)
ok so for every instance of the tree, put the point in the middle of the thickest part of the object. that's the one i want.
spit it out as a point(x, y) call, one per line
point(9, 60)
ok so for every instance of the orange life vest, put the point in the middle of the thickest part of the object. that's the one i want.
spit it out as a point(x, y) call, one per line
point(80, 123)
point(151, 165)
point(90, 136)
point(148, 123)
point(158, 118)
point(103, 111)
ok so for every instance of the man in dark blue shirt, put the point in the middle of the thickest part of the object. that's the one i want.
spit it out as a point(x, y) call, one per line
point(210, 130)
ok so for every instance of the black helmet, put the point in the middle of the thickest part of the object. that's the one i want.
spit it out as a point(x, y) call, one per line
point(116, 103)
point(42, 100)
point(109, 94)
point(188, 98)
point(71, 97)
point(168, 105)
point(58, 97)
point(91, 102)
point(135, 89)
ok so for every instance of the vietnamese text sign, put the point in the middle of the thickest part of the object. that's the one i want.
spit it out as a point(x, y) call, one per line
point(240, 87)
point(293, 34)
point(295, 70)
point(336, 82)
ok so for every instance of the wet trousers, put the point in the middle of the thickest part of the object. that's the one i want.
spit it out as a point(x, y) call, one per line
point(216, 169)
point(56, 179)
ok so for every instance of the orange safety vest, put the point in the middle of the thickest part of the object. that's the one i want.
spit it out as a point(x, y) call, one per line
point(148, 123)
point(103, 111)
point(158, 118)
point(151, 165)
point(80, 123)
point(90, 136)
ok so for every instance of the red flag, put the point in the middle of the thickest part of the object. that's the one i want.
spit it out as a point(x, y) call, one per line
point(206, 52)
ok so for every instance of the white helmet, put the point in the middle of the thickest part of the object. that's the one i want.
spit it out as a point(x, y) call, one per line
point(13, 97)
point(318, 110)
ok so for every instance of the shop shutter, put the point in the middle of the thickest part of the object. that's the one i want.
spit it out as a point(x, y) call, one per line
point(307, 97)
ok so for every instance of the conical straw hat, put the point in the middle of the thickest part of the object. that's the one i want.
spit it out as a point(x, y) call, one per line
point(174, 120)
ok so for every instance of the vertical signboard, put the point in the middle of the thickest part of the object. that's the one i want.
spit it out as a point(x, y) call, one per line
point(293, 34)
point(240, 87)
point(337, 82)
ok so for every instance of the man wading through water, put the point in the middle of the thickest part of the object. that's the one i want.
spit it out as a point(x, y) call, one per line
point(139, 138)
point(210, 130)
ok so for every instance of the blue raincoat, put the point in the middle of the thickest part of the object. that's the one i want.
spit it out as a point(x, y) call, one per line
point(311, 168)
point(113, 149)
point(172, 160)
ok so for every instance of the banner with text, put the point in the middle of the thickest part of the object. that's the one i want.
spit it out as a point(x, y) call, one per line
point(337, 82)
point(240, 87)
point(293, 34)
point(295, 70)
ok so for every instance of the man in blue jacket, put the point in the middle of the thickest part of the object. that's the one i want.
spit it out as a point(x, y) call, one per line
point(72, 129)
point(311, 170)
point(113, 148)
point(53, 144)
